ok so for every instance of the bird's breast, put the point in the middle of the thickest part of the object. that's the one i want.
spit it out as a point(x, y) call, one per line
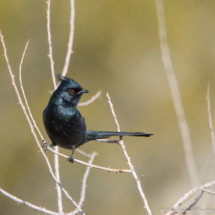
point(64, 127)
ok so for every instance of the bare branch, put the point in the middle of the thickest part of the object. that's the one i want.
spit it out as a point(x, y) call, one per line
point(50, 42)
point(137, 180)
point(56, 159)
point(176, 94)
point(91, 165)
point(189, 195)
point(60, 207)
point(182, 200)
point(84, 182)
point(208, 191)
point(83, 153)
point(209, 184)
point(193, 204)
point(71, 36)
point(57, 174)
point(20, 201)
point(23, 92)
point(91, 100)
point(31, 126)
point(209, 116)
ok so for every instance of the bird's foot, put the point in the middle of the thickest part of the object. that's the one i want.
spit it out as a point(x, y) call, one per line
point(46, 145)
point(71, 158)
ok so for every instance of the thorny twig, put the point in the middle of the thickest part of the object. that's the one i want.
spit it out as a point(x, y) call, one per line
point(50, 42)
point(84, 183)
point(20, 201)
point(71, 36)
point(108, 169)
point(56, 159)
point(137, 180)
point(31, 126)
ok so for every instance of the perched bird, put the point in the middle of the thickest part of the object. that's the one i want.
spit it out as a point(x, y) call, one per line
point(63, 122)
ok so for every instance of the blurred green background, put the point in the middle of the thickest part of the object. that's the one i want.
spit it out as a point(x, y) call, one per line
point(116, 50)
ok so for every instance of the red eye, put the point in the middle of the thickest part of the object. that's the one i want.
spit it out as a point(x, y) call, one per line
point(72, 91)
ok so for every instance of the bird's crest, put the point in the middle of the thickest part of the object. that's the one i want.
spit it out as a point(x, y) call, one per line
point(61, 78)
point(65, 81)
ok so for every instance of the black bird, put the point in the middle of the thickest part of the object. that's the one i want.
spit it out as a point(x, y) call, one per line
point(63, 122)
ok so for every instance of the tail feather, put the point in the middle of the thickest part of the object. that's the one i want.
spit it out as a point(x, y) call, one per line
point(93, 135)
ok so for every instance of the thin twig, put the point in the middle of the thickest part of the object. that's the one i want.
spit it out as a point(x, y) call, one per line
point(83, 153)
point(188, 195)
point(20, 201)
point(91, 165)
point(206, 166)
point(23, 93)
point(137, 180)
point(59, 194)
point(193, 204)
point(209, 116)
point(50, 42)
point(91, 100)
point(56, 158)
point(31, 126)
point(71, 36)
point(84, 183)
point(208, 191)
point(176, 94)
point(57, 174)
point(182, 200)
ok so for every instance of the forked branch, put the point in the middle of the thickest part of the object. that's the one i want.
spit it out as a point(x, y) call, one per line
point(133, 172)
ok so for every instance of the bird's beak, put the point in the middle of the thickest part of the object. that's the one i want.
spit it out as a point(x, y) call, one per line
point(83, 91)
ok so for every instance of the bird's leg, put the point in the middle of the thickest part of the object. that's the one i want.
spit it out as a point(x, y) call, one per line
point(47, 145)
point(71, 158)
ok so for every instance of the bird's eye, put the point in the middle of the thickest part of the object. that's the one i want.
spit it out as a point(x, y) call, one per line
point(72, 91)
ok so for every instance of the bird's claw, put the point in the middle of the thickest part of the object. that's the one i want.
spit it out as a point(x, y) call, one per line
point(45, 144)
point(71, 158)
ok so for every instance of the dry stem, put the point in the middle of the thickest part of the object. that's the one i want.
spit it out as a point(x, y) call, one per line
point(189, 195)
point(71, 36)
point(176, 94)
point(31, 126)
point(56, 159)
point(84, 183)
point(209, 116)
point(20, 201)
point(50, 43)
point(108, 169)
point(137, 180)
point(91, 100)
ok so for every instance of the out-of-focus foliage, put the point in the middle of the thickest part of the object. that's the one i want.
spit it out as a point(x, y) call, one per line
point(116, 50)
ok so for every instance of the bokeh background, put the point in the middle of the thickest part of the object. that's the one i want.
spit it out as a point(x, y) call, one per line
point(116, 50)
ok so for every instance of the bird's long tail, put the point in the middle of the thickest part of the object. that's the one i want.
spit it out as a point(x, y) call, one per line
point(93, 135)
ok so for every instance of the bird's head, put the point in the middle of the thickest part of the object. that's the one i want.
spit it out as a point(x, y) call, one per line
point(68, 91)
